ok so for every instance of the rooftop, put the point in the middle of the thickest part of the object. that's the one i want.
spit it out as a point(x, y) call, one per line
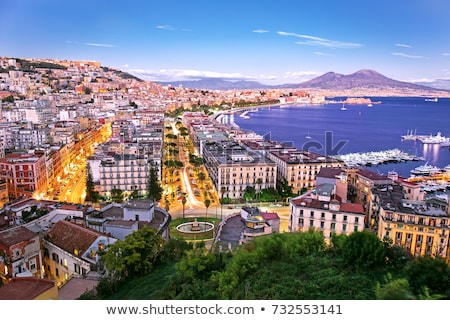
point(25, 288)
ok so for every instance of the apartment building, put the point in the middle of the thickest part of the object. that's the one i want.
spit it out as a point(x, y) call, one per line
point(422, 227)
point(321, 209)
point(72, 250)
point(361, 182)
point(20, 253)
point(25, 174)
point(232, 169)
point(299, 168)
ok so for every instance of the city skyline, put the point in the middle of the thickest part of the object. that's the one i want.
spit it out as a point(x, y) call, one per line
point(269, 42)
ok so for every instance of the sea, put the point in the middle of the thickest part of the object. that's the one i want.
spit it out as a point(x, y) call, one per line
point(328, 130)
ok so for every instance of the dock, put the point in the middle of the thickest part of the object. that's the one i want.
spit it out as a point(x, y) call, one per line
point(374, 158)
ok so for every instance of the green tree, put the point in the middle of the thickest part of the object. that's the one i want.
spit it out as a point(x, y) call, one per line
point(154, 189)
point(363, 249)
point(428, 273)
point(9, 98)
point(135, 255)
point(117, 195)
point(91, 194)
point(207, 204)
point(249, 194)
point(397, 289)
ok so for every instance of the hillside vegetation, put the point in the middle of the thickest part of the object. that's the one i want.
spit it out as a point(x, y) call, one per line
point(284, 266)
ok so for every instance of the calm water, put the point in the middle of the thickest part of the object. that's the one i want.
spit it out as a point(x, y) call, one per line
point(360, 128)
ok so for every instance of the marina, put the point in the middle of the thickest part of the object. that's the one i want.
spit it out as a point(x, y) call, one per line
point(428, 139)
point(375, 158)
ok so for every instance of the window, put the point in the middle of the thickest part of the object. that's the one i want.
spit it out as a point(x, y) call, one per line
point(344, 227)
point(355, 229)
point(300, 222)
point(345, 218)
point(322, 224)
point(311, 223)
point(322, 215)
point(76, 268)
point(356, 220)
point(334, 216)
point(32, 264)
point(301, 212)
point(312, 214)
point(333, 226)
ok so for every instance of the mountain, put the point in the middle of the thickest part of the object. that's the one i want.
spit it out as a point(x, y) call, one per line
point(363, 82)
point(218, 84)
point(443, 84)
point(362, 79)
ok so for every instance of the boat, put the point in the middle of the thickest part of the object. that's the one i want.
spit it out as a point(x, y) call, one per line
point(343, 107)
point(308, 136)
point(437, 139)
point(370, 105)
point(426, 170)
point(431, 99)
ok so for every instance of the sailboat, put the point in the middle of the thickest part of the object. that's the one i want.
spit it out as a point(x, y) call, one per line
point(343, 107)
point(308, 136)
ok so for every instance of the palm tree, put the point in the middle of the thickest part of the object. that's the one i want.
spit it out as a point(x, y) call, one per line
point(183, 201)
point(222, 191)
point(207, 203)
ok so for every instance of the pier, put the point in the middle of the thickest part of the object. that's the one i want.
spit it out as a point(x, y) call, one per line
point(374, 158)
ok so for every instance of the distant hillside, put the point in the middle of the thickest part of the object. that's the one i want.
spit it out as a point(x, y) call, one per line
point(363, 79)
point(218, 84)
point(442, 84)
point(362, 82)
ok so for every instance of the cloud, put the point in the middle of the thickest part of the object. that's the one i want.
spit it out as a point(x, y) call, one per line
point(184, 74)
point(301, 75)
point(319, 53)
point(166, 27)
point(445, 54)
point(403, 45)
point(105, 45)
point(320, 42)
point(401, 54)
point(260, 31)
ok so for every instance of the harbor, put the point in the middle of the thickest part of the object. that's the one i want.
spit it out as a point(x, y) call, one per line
point(428, 139)
point(375, 158)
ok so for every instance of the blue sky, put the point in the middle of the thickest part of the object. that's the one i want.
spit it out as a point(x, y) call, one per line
point(272, 42)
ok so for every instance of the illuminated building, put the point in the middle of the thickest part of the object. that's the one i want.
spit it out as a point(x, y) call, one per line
point(419, 226)
point(322, 210)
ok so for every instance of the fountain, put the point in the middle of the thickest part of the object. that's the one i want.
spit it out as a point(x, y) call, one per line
point(195, 227)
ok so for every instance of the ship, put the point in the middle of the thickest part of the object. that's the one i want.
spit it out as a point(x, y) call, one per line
point(425, 170)
point(437, 139)
point(431, 99)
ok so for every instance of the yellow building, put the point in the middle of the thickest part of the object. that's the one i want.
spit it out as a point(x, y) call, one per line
point(421, 227)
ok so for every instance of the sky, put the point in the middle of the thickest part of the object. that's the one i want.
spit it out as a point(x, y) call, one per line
point(272, 42)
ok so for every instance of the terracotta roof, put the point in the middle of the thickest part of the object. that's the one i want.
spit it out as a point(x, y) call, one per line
point(270, 216)
point(16, 235)
point(329, 172)
point(26, 288)
point(372, 175)
point(352, 208)
point(70, 236)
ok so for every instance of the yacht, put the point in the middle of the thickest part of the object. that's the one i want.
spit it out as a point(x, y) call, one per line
point(438, 138)
point(343, 107)
point(426, 170)
point(308, 136)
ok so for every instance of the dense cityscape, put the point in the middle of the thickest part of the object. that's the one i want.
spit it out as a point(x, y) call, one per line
point(94, 160)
